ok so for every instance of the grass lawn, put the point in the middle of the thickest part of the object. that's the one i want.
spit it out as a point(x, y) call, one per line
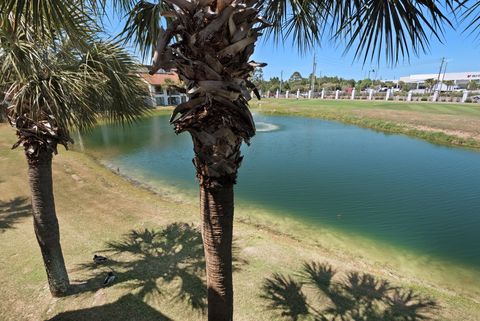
point(441, 123)
point(154, 247)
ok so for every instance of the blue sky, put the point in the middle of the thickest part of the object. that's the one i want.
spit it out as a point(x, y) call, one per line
point(462, 53)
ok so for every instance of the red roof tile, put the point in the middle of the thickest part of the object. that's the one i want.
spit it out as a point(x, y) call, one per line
point(159, 79)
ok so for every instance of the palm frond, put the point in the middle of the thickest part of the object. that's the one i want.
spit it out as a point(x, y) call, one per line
point(51, 18)
point(66, 86)
point(470, 15)
point(303, 21)
point(143, 24)
point(373, 28)
point(119, 95)
point(394, 29)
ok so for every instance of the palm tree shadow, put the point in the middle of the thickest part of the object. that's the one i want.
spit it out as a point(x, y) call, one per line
point(155, 263)
point(360, 297)
point(127, 308)
point(285, 295)
point(11, 212)
point(167, 263)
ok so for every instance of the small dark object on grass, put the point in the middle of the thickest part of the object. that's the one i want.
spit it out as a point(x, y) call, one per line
point(98, 259)
point(109, 279)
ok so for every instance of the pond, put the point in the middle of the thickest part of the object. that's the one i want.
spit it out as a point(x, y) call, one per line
point(391, 188)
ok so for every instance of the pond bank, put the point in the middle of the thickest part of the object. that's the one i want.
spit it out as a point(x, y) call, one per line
point(439, 123)
point(95, 206)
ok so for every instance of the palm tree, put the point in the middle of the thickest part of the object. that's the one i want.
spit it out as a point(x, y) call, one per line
point(210, 43)
point(472, 85)
point(449, 84)
point(53, 84)
point(429, 83)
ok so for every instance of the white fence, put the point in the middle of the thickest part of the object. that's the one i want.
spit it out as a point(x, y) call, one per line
point(389, 95)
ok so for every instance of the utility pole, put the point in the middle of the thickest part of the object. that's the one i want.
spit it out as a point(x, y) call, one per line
point(281, 80)
point(444, 72)
point(440, 72)
point(371, 70)
point(314, 69)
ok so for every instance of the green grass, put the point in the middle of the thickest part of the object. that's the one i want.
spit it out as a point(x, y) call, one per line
point(440, 123)
point(98, 211)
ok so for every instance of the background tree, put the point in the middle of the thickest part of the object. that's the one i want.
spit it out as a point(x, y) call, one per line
point(472, 85)
point(273, 84)
point(449, 84)
point(296, 76)
point(257, 77)
point(364, 84)
point(389, 84)
point(429, 83)
point(53, 84)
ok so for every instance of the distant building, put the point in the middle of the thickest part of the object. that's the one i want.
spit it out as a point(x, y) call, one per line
point(161, 94)
point(460, 79)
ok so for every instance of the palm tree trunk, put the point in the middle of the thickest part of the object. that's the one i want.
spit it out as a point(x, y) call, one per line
point(217, 215)
point(216, 142)
point(45, 220)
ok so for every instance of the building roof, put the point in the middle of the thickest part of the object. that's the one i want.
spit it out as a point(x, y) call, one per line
point(159, 79)
point(461, 76)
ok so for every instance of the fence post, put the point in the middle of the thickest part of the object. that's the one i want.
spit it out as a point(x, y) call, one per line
point(387, 96)
point(323, 93)
point(336, 94)
point(309, 94)
point(286, 94)
point(409, 97)
point(277, 94)
point(435, 96)
point(465, 96)
point(353, 93)
point(298, 93)
point(370, 94)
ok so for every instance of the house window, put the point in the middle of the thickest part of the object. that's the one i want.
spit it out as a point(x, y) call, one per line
point(160, 101)
point(172, 92)
point(173, 100)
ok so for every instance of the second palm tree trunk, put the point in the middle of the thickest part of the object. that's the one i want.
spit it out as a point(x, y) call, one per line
point(45, 221)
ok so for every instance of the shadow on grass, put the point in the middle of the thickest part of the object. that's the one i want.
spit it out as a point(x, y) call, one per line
point(127, 308)
point(361, 297)
point(167, 263)
point(155, 264)
point(11, 212)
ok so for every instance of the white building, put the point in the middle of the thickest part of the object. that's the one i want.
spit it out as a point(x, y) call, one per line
point(460, 79)
point(158, 87)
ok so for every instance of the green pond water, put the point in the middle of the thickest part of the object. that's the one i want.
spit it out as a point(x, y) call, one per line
point(389, 188)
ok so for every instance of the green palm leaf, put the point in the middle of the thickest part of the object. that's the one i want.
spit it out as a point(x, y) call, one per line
point(65, 85)
point(50, 18)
